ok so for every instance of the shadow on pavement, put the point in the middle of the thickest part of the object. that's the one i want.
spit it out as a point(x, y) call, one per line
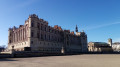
point(6, 59)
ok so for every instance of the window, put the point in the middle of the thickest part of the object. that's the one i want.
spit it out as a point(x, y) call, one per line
point(31, 42)
point(32, 34)
point(55, 32)
point(49, 37)
point(41, 27)
point(41, 36)
point(49, 30)
point(45, 28)
point(10, 41)
point(52, 38)
point(45, 36)
point(32, 24)
point(38, 25)
point(38, 35)
point(52, 31)
point(10, 34)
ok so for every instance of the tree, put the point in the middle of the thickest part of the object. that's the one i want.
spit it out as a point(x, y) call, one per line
point(3, 46)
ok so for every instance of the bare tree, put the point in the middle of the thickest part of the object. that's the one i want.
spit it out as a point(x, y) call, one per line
point(3, 46)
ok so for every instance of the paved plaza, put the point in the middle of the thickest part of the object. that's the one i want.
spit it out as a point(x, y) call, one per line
point(85, 60)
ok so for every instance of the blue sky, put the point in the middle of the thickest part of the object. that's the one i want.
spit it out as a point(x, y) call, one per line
point(100, 19)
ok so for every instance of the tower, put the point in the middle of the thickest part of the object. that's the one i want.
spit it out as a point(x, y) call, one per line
point(9, 35)
point(76, 29)
point(110, 42)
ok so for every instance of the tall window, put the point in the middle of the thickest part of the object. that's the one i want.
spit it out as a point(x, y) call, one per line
point(10, 34)
point(45, 37)
point(32, 24)
point(41, 36)
point(38, 25)
point(32, 34)
point(31, 42)
point(49, 37)
point(38, 35)
point(41, 27)
point(55, 32)
point(52, 38)
point(49, 30)
point(9, 41)
point(45, 27)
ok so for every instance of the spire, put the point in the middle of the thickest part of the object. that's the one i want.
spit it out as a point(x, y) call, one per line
point(76, 29)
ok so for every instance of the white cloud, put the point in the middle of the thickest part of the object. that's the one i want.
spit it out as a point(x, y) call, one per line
point(100, 26)
point(116, 40)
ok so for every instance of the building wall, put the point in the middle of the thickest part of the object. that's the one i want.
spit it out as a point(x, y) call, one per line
point(94, 47)
point(19, 46)
point(90, 47)
point(19, 37)
point(116, 47)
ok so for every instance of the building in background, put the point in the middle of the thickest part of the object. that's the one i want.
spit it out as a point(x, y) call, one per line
point(100, 46)
point(110, 42)
point(37, 35)
point(116, 46)
point(2, 48)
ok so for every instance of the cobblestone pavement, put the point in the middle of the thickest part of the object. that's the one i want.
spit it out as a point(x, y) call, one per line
point(86, 60)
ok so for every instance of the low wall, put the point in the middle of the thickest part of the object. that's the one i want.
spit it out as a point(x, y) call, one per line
point(100, 53)
point(38, 54)
point(34, 54)
point(5, 55)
